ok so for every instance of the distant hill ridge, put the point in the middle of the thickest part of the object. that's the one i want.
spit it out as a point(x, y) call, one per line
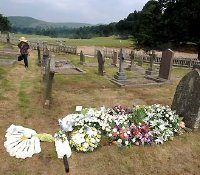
point(29, 22)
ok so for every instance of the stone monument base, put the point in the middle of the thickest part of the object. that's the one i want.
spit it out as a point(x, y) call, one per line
point(120, 76)
point(150, 71)
point(156, 78)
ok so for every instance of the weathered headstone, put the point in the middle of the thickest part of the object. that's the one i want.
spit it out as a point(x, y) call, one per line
point(140, 59)
point(82, 58)
point(101, 61)
point(8, 38)
point(49, 75)
point(120, 76)
point(132, 57)
point(8, 45)
point(150, 70)
point(166, 64)
point(39, 56)
point(198, 51)
point(114, 58)
point(45, 54)
point(186, 100)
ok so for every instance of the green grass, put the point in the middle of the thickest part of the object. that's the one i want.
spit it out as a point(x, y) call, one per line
point(180, 71)
point(2, 45)
point(24, 100)
point(180, 156)
point(100, 41)
point(2, 72)
point(5, 84)
point(112, 41)
point(7, 57)
point(30, 88)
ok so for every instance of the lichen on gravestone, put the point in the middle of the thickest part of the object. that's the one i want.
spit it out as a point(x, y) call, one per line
point(186, 100)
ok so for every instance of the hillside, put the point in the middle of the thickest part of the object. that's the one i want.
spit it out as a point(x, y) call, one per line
point(28, 22)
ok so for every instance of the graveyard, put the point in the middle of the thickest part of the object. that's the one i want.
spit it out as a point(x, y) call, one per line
point(61, 78)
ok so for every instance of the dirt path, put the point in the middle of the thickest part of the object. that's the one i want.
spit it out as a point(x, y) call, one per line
point(14, 76)
point(9, 112)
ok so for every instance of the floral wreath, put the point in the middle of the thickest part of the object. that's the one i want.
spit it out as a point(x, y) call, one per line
point(122, 126)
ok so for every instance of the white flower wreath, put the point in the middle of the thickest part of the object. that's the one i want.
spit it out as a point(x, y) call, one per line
point(21, 142)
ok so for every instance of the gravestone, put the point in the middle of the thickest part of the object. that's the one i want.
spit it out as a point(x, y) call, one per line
point(140, 59)
point(120, 75)
point(114, 58)
point(166, 64)
point(39, 56)
point(186, 100)
point(8, 45)
point(101, 61)
point(82, 58)
point(49, 75)
point(8, 38)
point(45, 54)
point(150, 70)
point(132, 57)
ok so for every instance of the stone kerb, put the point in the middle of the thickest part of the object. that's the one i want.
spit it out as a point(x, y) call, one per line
point(13, 56)
point(186, 100)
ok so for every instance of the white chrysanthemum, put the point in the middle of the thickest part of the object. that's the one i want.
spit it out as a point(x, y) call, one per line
point(68, 122)
point(62, 148)
point(21, 142)
point(78, 138)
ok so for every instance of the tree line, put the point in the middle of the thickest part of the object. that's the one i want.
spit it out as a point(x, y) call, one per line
point(160, 24)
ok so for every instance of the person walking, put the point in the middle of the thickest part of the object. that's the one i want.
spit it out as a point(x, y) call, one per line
point(23, 49)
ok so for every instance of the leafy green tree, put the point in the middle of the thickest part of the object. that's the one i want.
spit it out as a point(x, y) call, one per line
point(182, 21)
point(149, 26)
point(4, 23)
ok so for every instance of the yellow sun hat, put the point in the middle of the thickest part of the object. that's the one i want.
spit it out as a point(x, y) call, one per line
point(23, 39)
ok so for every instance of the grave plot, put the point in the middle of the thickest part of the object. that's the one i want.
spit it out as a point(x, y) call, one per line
point(66, 67)
point(97, 60)
point(7, 58)
point(121, 79)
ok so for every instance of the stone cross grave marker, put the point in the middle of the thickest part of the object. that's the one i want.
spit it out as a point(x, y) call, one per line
point(166, 64)
point(120, 76)
point(82, 58)
point(150, 70)
point(101, 62)
point(186, 100)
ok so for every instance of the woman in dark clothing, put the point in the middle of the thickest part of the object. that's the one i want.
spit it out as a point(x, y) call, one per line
point(23, 49)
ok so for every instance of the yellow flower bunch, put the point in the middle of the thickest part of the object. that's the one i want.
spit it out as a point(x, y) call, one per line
point(85, 139)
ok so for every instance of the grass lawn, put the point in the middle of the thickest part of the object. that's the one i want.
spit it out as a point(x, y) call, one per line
point(21, 103)
point(97, 41)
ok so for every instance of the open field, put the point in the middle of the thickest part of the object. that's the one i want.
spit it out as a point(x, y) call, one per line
point(21, 104)
point(88, 45)
point(98, 41)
